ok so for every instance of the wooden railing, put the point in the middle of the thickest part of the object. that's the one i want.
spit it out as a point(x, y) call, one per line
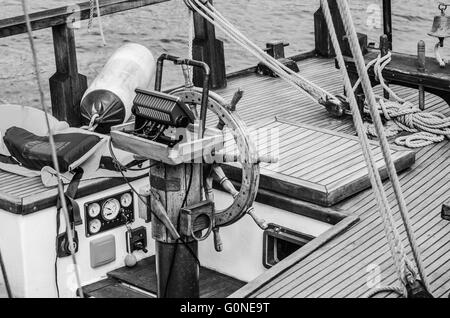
point(67, 86)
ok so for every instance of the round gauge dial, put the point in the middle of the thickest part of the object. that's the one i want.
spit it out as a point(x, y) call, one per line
point(126, 199)
point(110, 209)
point(94, 210)
point(94, 226)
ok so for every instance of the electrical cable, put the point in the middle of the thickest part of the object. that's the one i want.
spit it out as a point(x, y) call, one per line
point(52, 145)
point(119, 164)
point(140, 197)
point(56, 249)
point(172, 262)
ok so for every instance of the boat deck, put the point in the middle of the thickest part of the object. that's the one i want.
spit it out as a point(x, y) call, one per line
point(343, 266)
point(141, 282)
point(338, 267)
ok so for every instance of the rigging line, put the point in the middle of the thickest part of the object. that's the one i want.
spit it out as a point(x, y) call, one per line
point(360, 65)
point(5, 276)
point(374, 176)
point(100, 23)
point(94, 4)
point(313, 91)
point(140, 197)
point(52, 146)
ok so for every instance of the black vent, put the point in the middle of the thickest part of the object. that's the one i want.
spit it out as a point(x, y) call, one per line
point(161, 108)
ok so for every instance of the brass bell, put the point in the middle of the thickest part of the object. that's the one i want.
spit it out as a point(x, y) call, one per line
point(441, 31)
point(441, 24)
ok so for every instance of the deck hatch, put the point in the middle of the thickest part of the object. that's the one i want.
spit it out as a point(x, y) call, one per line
point(319, 165)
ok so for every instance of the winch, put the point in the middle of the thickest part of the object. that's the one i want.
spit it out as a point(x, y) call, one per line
point(185, 158)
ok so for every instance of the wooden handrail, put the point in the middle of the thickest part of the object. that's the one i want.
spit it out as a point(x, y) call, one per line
point(62, 15)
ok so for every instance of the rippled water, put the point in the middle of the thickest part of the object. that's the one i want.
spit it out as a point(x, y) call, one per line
point(163, 28)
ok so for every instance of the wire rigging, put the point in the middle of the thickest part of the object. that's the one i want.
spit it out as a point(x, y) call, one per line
point(404, 268)
point(52, 146)
point(5, 276)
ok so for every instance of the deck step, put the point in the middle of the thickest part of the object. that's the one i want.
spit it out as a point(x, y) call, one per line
point(140, 282)
point(111, 288)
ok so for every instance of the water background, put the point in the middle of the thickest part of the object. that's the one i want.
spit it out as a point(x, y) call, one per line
point(163, 28)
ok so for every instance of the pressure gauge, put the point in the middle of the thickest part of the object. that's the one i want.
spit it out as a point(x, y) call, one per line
point(126, 199)
point(94, 210)
point(110, 209)
point(94, 226)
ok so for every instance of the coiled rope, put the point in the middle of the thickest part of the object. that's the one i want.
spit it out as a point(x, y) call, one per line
point(62, 197)
point(403, 265)
point(426, 127)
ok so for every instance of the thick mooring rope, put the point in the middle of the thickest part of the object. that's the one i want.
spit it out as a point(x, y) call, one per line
point(426, 127)
point(61, 194)
point(392, 234)
point(405, 266)
point(209, 13)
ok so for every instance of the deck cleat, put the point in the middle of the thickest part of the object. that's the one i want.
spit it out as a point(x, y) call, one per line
point(337, 106)
point(417, 289)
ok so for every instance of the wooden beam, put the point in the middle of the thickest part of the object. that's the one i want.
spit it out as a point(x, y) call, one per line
point(208, 49)
point(62, 15)
point(66, 85)
point(387, 21)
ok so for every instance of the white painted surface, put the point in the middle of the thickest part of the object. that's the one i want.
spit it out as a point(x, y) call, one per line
point(28, 246)
point(243, 241)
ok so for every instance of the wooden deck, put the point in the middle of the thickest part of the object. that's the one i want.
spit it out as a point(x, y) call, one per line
point(339, 268)
point(140, 282)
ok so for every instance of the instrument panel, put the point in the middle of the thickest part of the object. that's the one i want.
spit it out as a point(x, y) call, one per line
point(108, 213)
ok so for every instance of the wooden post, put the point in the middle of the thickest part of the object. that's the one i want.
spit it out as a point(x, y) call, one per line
point(387, 21)
point(177, 269)
point(421, 68)
point(66, 85)
point(384, 49)
point(208, 49)
point(323, 43)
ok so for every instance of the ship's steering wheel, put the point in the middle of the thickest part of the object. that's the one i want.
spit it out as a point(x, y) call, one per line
point(229, 121)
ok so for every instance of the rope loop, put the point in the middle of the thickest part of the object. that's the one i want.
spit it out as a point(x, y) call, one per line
point(427, 127)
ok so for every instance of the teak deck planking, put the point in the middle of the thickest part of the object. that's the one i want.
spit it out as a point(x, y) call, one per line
point(339, 268)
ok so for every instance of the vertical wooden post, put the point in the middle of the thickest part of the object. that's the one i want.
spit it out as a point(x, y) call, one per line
point(66, 85)
point(208, 49)
point(323, 44)
point(387, 21)
point(421, 68)
point(384, 49)
point(177, 269)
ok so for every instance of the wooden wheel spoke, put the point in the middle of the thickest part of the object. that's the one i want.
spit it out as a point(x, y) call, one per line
point(228, 120)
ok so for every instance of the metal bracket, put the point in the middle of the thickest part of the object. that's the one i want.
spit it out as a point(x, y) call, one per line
point(166, 185)
point(197, 217)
